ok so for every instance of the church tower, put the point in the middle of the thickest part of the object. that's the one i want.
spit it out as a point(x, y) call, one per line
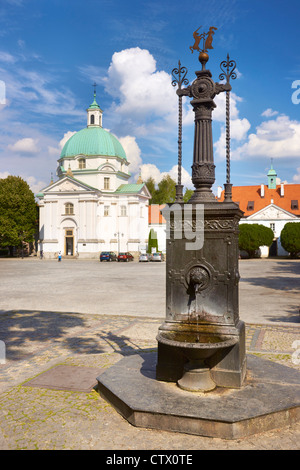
point(94, 114)
point(272, 175)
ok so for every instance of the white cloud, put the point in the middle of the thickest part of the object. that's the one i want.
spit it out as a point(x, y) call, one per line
point(219, 113)
point(133, 153)
point(276, 138)
point(26, 145)
point(296, 177)
point(57, 150)
point(65, 138)
point(34, 184)
point(269, 113)
point(6, 57)
point(144, 92)
point(150, 170)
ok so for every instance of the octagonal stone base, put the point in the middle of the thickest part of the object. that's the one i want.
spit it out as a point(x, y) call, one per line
point(269, 399)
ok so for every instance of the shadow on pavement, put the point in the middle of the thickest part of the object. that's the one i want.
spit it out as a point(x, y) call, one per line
point(24, 330)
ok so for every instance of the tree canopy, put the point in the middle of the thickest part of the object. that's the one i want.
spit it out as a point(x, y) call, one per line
point(165, 192)
point(252, 236)
point(290, 238)
point(18, 212)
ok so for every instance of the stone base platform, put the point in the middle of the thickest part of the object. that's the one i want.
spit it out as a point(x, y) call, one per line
point(269, 399)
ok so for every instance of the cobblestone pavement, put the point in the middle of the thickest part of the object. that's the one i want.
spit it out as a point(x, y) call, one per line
point(43, 418)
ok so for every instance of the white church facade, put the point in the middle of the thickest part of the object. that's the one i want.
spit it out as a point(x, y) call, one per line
point(92, 207)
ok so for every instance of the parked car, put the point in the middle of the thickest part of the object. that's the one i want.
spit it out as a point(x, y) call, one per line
point(108, 256)
point(157, 257)
point(143, 258)
point(125, 257)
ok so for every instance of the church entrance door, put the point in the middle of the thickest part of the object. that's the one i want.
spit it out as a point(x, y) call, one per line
point(69, 243)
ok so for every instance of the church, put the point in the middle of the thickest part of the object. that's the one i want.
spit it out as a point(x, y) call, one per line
point(93, 207)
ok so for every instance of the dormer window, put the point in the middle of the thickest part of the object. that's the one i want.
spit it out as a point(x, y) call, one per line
point(250, 206)
point(294, 204)
point(81, 163)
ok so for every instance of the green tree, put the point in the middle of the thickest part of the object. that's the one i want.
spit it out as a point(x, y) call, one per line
point(150, 183)
point(152, 241)
point(290, 238)
point(187, 195)
point(165, 192)
point(18, 212)
point(252, 236)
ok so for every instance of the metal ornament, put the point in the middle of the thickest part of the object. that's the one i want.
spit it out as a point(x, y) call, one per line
point(179, 78)
point(228, 71)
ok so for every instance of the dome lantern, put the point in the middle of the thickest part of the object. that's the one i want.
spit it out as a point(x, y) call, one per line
point(94, 113)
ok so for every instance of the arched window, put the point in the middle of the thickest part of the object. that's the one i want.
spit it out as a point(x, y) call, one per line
point(92, 119)
point(69, 208)
point(81, 163)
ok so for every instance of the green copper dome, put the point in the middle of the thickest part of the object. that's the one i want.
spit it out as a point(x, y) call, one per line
point(93, 141)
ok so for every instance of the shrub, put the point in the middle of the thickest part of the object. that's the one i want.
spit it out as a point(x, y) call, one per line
point(252, 236)
point(290, 238)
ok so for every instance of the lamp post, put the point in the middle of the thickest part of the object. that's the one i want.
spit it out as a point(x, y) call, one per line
point(118, 234)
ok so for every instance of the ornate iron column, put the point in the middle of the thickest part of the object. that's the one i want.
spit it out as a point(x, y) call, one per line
point(203, 90)
point(202, 306)
point(179, 72)
point(230, 66)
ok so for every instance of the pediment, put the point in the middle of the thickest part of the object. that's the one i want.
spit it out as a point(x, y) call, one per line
point(145, 192)
point(272, 212)
point(68, 184)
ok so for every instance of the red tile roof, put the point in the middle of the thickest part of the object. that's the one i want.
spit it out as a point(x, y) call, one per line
point(245, 194)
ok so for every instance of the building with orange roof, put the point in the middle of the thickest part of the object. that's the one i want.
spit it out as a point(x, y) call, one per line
point(273, 205)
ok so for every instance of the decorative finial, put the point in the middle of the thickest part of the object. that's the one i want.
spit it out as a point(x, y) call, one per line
point(69, 172)
point(140, 180)
point(207, 39)
point(94, 85)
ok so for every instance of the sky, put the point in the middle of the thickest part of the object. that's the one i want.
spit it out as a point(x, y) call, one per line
point(51, 53)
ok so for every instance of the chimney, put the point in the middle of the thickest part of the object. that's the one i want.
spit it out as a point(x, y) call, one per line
point(219, 191)
point(262, 190)
point(282, 190)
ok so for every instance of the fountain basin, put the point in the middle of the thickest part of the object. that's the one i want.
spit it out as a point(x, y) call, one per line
point(196, 347)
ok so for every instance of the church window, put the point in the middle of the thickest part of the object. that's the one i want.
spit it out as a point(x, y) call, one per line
point(92, 119)
point(81, 163)
point(69, 208)
point(106, 183)
point(272, 227)
point(123, 211)
point(106, 211)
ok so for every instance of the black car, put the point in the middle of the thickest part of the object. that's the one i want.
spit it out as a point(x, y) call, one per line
point(108, 256)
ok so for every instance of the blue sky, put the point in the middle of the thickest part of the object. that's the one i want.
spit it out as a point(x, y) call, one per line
point(51, 52)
